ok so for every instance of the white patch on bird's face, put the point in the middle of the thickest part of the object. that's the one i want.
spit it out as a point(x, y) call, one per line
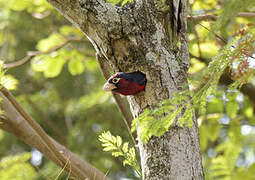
point(109, 86)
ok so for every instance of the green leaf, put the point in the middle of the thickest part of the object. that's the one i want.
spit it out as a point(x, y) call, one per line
point(67, 30)
point(52, 41)
point(125, 147)
point(215, 105)
point(203, 137)
point(75, 66)
point(114, 144)
point(117, 154)
point(39, 63)
point(54, 66)
point(118, 141)
point(1, 135)
point(125, 162)
point(231, 9)
point(232, 109)
point(17, 167)
point(9, 81)
point(19, 5)
point(252, 167)
point(109, 148)
point(117, 1)
point(213, 132)
point(232, 105)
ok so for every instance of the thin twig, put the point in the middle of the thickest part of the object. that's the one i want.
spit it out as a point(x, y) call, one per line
point(198, 42)
point(215, 34)
point(40, 172)
point(223, 40)
point(210, 17)
point(200, 58)
point(32, 54)
point(67, 162)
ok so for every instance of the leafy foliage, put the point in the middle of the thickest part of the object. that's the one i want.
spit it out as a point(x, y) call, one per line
point(114, 144)
point(122, 2)
point(157, 121)
point(8, 81)
point(17, 167)
point(230, 10)
point(75, 66)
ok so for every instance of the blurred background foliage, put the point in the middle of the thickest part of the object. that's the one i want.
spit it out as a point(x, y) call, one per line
point(62, 89)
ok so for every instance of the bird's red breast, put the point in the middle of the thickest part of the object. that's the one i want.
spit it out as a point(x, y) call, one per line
point(126, 83)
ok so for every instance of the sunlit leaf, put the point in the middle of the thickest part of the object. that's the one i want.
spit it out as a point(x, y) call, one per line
point(54, 66)
point(52, 41)
point(9, 81)
point(18, 5)
point(125, 147)
point(232, 105)
point(75, 66)
point(17, 167)
point(203, 137)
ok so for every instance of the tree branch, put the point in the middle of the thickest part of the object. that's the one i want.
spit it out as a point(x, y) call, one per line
point(210, 17)
point(17, 121)
point(32, 54)
point(247, 89)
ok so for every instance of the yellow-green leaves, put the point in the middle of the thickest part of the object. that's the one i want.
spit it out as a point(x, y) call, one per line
point(1, 134)
point(157, 121)
point(52, 41)
point(114, 144)
point(54, 66)
point(76, 66)
point(50, 65)
point(223, 166)
point(230, 10)
point(9, 81)
point(29, 5)
point(118, 1)
point(18, 5)
point(17, 167)
point(232, 105)
point(209, 129)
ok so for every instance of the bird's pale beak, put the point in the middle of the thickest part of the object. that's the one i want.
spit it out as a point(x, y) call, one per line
point(109, 86)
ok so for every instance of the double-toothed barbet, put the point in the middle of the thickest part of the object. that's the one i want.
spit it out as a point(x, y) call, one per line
point(126, 83)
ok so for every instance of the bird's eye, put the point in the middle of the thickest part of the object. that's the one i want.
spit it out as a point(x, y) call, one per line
point(115, 80)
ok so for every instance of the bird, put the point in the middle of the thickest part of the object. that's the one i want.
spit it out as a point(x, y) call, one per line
point(126, 83)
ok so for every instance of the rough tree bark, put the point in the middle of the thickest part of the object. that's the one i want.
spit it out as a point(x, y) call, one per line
point(133, 38)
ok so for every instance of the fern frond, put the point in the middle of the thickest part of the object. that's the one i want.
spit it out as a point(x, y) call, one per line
point(114, 144)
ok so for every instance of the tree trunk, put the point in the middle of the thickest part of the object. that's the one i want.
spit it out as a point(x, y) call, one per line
point(133, 38)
